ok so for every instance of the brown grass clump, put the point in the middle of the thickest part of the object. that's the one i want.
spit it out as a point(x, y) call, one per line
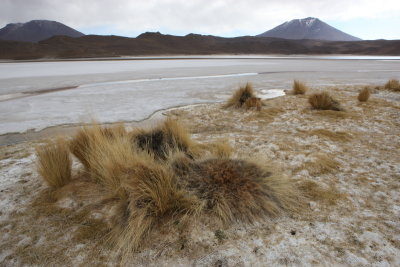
point(170, 136)
point(155, 199)
point(334, 136)
point(299, 88)
point(393, 85)
point(364, 94)
point(253, 102)
point(324, 101)
point(313, 191)
point(144, 184)
point(87, 136)
point(238, 190)
point(109, 160)
point(240, 96)
point(220, 148)
point(79, 145)
point(54, 163)
point(180, 163)
point(321, 164)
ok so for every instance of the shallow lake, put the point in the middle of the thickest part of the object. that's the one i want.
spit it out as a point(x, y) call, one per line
point(36, 95)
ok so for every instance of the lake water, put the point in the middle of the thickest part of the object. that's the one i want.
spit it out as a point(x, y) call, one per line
point(36, 95)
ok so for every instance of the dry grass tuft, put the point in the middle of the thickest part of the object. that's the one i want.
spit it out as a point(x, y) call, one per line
point(54, 163)
point(154, 182)
point(314, 192)
point(267, 114)
point(240, 96)
point(321, 164)
point(160, 141)
point(87, 136)
point(324, 101)
point(181, 164)
point(155, 200)
point(364, 94)
point(299, 88)
point(220, 148)
point(80, 144)
point(109, 160)
point(253, 102)
point(238, 190)
point(393, 85)
point(334, 136)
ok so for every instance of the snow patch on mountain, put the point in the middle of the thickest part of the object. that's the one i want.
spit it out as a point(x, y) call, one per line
point(310, 21)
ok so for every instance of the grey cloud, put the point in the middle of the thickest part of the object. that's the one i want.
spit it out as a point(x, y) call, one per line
point(220, 17)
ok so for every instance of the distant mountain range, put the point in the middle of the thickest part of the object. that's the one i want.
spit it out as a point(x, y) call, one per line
point(91, 46)
point(297, 29)
point(308, 28)
point(73, 44)
point(36, 30)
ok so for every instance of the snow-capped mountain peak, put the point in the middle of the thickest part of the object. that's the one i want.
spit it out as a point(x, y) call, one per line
point(309, 21)
point(308, 28)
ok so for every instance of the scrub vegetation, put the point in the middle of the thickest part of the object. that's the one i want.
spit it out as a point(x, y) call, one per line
point(299, 88)
point(126, 196)
point(54, 164)
point(160, 178)
point(323, 101)
point(239, 98)
point(393, 85)
point(363, 95)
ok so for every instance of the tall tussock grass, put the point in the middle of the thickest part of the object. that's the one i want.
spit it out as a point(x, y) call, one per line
point(109, 160)
point(54, 163)
point(162, 179)
point(87, 136)
point(167, 137)
point(240, 97)
point(324, 101)
point(363, 95)
point(299, 88)
point(155, 200)
point(393, 85)
point(239, 190)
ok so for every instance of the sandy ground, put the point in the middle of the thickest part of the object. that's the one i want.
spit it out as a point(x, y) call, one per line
point(352, 155)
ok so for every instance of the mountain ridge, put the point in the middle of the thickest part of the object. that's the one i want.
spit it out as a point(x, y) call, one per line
point(156, 44)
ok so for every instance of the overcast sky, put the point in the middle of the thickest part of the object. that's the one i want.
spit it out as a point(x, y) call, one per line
point(367, 19)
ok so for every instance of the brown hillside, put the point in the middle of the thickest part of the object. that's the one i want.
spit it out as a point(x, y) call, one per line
point(192, 44)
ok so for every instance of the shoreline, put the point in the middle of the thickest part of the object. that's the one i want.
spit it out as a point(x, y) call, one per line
point(214, 56)
point(8, 139)
point(31, 134)
point(8, 97)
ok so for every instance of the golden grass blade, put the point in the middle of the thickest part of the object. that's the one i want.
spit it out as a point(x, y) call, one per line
point(54, 163)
